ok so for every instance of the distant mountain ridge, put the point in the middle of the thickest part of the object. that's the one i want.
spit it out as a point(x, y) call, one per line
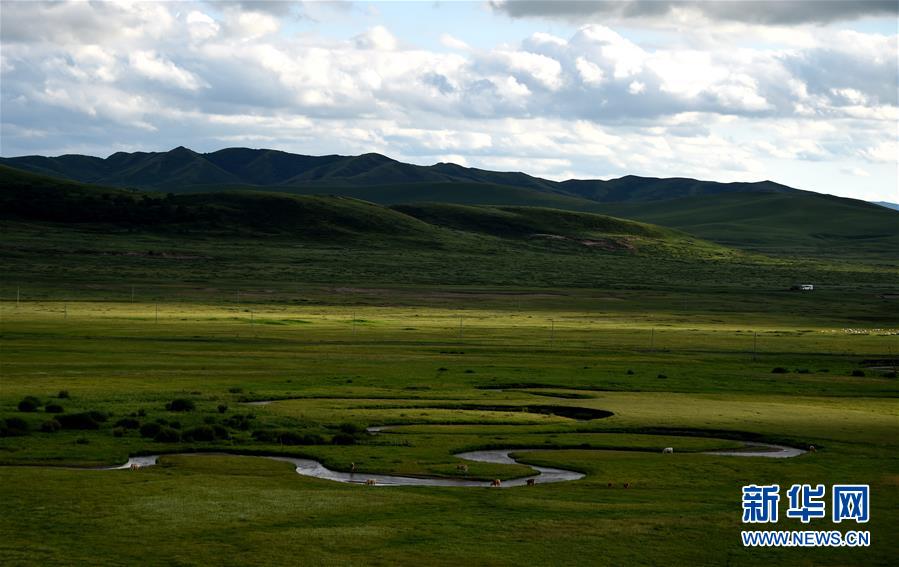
point(183, 170)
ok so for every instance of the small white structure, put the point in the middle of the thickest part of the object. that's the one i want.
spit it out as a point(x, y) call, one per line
point(668, 450)
point(806, 287)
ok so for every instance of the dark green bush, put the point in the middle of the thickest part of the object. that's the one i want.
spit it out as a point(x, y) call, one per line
point(221, 432)
point(150, 429)
point(235, 390)
point(222, 408)
point(53, 408)
point(200, 433)
point(51, 426)
point(128, 423)
point(141, 412)
point(63, 395)
point(779, 370)
point(858, 373)
point(350, 428)
point(343, 439)
point(239, 421)
point(118, 432)
point(13, 427)
point(662, 376)
point(29, 404)
point(167, 435)
point(83, 420)
point(181, 404)
point(630, 372)
point(286, 437)
point(802, 371)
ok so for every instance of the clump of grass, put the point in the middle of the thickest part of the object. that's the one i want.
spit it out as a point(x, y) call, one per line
point(83, 420)
point(128, 423)
point(222, 408)
point(29, 404)
point(167, 435)
point(779, 370)
point(13, 427)
point(63, 395)
point(181, 404)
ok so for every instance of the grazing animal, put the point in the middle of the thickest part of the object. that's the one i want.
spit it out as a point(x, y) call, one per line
point(811, 449)
point(668, 450)
point(463, 468)
point(496, 482)
point(352, 467)
point(627, 485)
point(532, 481)
point(370, 482)
point(135, 466)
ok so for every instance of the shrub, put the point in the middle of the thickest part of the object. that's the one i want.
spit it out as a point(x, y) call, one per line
point(858, 373)
point(630, 372)
point(343, 439)
point(239, 421)
point(285, 437)
point(83, 420)
point(50, 426)
point(891, 374)
point(235, 390)
point(469, 371)
point(221, 432)
point(350, 428)
point(802, 371)
point(175, 424)
point(442, 369)
point(167, 435)
point(13, 427)
point(662, 377)
point(222, 408)
point(779, 370)
point(181, 404)
point(142, 412)
point(29, 403)
point(118, 432)
point(209, 419)
point(150, 429)
point(63, 395)
point(53, 408)
point(200, 433)
point(128, 423)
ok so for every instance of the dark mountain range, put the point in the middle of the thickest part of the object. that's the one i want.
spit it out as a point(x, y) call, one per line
point(183, 170)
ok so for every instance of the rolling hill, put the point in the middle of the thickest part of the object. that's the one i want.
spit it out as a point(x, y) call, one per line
point(183, 170)
point(802, 223)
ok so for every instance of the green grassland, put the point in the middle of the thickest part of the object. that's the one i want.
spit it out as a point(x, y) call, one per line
point(368, 363)
point(462, 326)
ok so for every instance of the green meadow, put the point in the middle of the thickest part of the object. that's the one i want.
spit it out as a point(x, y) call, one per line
point(452, 369)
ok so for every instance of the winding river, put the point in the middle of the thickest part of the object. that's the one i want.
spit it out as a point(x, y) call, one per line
point(545, 475)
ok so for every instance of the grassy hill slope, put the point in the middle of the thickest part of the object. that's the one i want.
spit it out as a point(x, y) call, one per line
point(800, 223)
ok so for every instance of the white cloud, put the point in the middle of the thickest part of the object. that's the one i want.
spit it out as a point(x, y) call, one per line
point(158, 68)
point(596, 104)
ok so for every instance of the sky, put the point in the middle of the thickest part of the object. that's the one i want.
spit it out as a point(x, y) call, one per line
point(799, 92)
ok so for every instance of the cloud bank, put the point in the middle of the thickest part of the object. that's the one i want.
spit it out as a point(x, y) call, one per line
point(102, 77)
